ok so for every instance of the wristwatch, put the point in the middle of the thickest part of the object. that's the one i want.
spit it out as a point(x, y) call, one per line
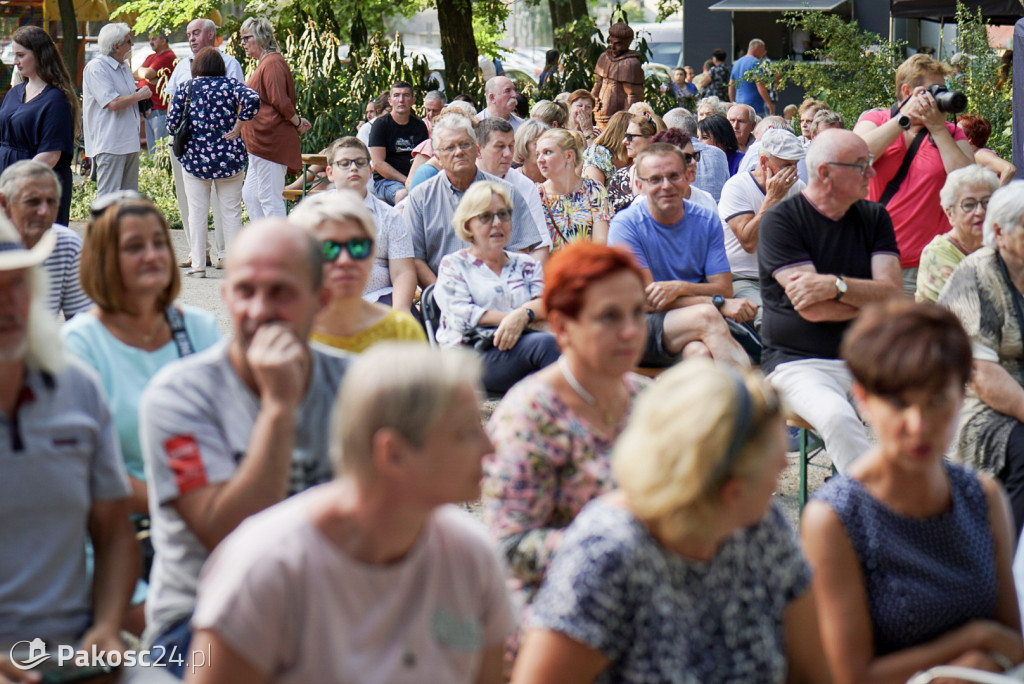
point(718, 301)
point(903, 121)
point(530, 314)
point(840, 287)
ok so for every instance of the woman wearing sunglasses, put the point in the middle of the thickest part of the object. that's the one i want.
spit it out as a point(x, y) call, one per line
point(347, 237)
point(489, 296)
point(638, 136)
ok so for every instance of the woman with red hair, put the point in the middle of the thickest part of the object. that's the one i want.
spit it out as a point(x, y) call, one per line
point(554, 431)
point(978, 129)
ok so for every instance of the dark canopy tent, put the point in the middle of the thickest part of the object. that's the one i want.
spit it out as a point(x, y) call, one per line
point(995, 11)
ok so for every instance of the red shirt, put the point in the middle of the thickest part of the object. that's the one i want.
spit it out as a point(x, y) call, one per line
point(163, 63)
point(917, 215)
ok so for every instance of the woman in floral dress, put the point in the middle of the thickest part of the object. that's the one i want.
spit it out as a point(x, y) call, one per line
point(214, 154)
point(576, 208)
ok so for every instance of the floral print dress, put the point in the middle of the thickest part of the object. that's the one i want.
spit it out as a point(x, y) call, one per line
point(217, 102)
point(571, 217)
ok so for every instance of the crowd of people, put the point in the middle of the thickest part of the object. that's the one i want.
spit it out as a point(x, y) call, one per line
point(649, 296)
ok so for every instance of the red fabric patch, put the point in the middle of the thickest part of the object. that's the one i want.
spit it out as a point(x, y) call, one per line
point(184, 459)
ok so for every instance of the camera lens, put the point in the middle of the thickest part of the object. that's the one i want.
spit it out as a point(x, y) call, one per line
point(948, 101)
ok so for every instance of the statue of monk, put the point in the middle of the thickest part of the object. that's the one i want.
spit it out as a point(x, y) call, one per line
point(620, 78)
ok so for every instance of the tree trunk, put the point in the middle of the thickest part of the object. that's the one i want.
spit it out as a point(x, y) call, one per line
point(69, 44)
point(458, 44)
point(564, 12)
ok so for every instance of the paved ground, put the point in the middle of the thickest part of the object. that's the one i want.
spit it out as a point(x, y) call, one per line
point(205, 293)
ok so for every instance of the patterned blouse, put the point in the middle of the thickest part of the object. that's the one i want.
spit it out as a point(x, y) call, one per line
point(938, 259)
point(547, 465)
point(620, 190)
point(659, 617)
point(217, 101)
point(600, 157)
point(571, 217)
point(467, 288)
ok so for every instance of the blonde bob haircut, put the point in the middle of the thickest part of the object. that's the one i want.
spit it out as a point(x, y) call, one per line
point(400, 386)
point(529, 131)
point(340, 205)
point(477, 200)
point(679, 448)
point(567, 141)
point(100, 266)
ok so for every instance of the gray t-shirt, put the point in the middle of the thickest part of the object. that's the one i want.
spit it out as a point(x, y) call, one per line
point(57, 457)
point(195, 419)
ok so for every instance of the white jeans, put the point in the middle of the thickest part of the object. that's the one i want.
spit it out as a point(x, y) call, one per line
point(229, 196)
point(264, 185)
point(818, 390)
point(218, 220)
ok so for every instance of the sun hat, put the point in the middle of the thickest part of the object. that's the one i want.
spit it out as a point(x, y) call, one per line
point(14, 254)
point(782, 144)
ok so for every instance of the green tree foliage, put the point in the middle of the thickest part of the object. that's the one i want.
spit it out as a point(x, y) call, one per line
point(157, 15)
point(855, 70)
point(577, 62)
point(977, 76)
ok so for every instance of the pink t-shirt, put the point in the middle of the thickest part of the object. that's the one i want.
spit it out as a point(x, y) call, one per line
point(300, 610)
point(916, 213)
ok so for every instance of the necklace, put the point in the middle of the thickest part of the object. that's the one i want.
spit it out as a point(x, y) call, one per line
point(607, 415)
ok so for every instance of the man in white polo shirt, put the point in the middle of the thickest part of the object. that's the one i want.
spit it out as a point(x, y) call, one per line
point(110, 112)
point(501, 101)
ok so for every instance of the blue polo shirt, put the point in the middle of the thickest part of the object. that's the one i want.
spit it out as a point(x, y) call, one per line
point(691, 249)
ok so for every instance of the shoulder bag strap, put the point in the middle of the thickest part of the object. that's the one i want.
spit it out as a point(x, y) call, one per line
point(178, 332)
point(547, 210)
point(897, 180)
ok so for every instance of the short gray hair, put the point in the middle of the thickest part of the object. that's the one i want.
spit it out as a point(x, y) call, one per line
point(770, 122)
point(402, 386)
point(435, 95)
point(111, 36)
point(451, 122)
point(1005, 209)
point(336, 205)
point(17, 173)
point(262, 32)
point(682, 119)
point(956, 181)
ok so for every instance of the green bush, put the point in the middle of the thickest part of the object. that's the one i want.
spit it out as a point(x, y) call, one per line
point(977, 78)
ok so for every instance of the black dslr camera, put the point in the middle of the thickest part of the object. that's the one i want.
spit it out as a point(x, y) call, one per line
point(948, 101)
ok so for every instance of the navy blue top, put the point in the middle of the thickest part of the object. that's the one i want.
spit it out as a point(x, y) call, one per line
point(217, 101)
point(41, 125)
point(924, 576)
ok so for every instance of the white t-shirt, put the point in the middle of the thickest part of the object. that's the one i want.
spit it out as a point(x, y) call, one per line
point(299, 609)
point(742, 195)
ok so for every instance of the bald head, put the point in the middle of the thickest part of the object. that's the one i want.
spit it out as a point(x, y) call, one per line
point(840, 150)
point(289, 242)
point(201, 33)
point(501, 96)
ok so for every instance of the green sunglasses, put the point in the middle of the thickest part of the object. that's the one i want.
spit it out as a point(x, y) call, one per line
point(358, 248)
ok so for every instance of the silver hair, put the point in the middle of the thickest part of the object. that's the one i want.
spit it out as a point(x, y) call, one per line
point(451, 122)
point(528, 131)
point(17, 173)
point(1006, 210)
point(262, 32)
point(111, 36)
point(339, 205)
point(400, 386)
point(491, 87)
point(43, 347)
point(770, 122)
point(956, 181)
point(435, 95)
point(682, 119)
point(751, 113)
point(207, 24)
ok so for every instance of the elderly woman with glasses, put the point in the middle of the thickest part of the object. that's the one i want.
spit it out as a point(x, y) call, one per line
point(687, 572)
point(489, 296)
point(348, 238)
point(964, 198)
point(985, 294)
point(272, 136)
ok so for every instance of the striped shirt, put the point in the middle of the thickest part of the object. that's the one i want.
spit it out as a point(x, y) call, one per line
point(61, 266)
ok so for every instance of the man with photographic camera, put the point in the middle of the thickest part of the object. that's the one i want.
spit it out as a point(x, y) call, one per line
point(914, 147)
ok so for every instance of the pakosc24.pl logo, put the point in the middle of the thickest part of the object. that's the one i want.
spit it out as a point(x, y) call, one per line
point(158, 656)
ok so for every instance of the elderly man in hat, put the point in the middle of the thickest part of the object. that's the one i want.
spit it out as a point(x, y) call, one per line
point(62, 480)
point(745, 199)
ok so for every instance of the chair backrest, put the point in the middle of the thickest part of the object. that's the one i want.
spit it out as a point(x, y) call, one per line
point(431, 313)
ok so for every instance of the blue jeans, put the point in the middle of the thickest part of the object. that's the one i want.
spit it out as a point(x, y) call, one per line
point(385, 189)
point(171, 647)
point(533, 351)
point(156, 127)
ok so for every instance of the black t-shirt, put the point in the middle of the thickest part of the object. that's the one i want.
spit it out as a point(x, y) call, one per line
point(794, 233)
point(397, 141)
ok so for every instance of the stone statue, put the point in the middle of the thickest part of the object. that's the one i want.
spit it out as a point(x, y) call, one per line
point(620, 78)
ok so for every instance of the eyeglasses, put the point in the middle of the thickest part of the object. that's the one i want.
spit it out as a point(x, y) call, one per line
point(359, 163)
point(862, 166)
point(630, 137)
point(487, 218)
point(104, 202)
point(358, 248)
point(246, 39)
point(968, 206)
point(672, 178)
point(691, 158)
point(464, 146)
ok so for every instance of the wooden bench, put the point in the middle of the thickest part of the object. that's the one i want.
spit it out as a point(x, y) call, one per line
point(295, 195)
point(810, 446)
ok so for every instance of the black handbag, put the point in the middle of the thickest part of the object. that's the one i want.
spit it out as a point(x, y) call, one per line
point(183, 131)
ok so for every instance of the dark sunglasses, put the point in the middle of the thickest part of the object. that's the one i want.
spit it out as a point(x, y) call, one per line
point(630, 137)
point(358, 248)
